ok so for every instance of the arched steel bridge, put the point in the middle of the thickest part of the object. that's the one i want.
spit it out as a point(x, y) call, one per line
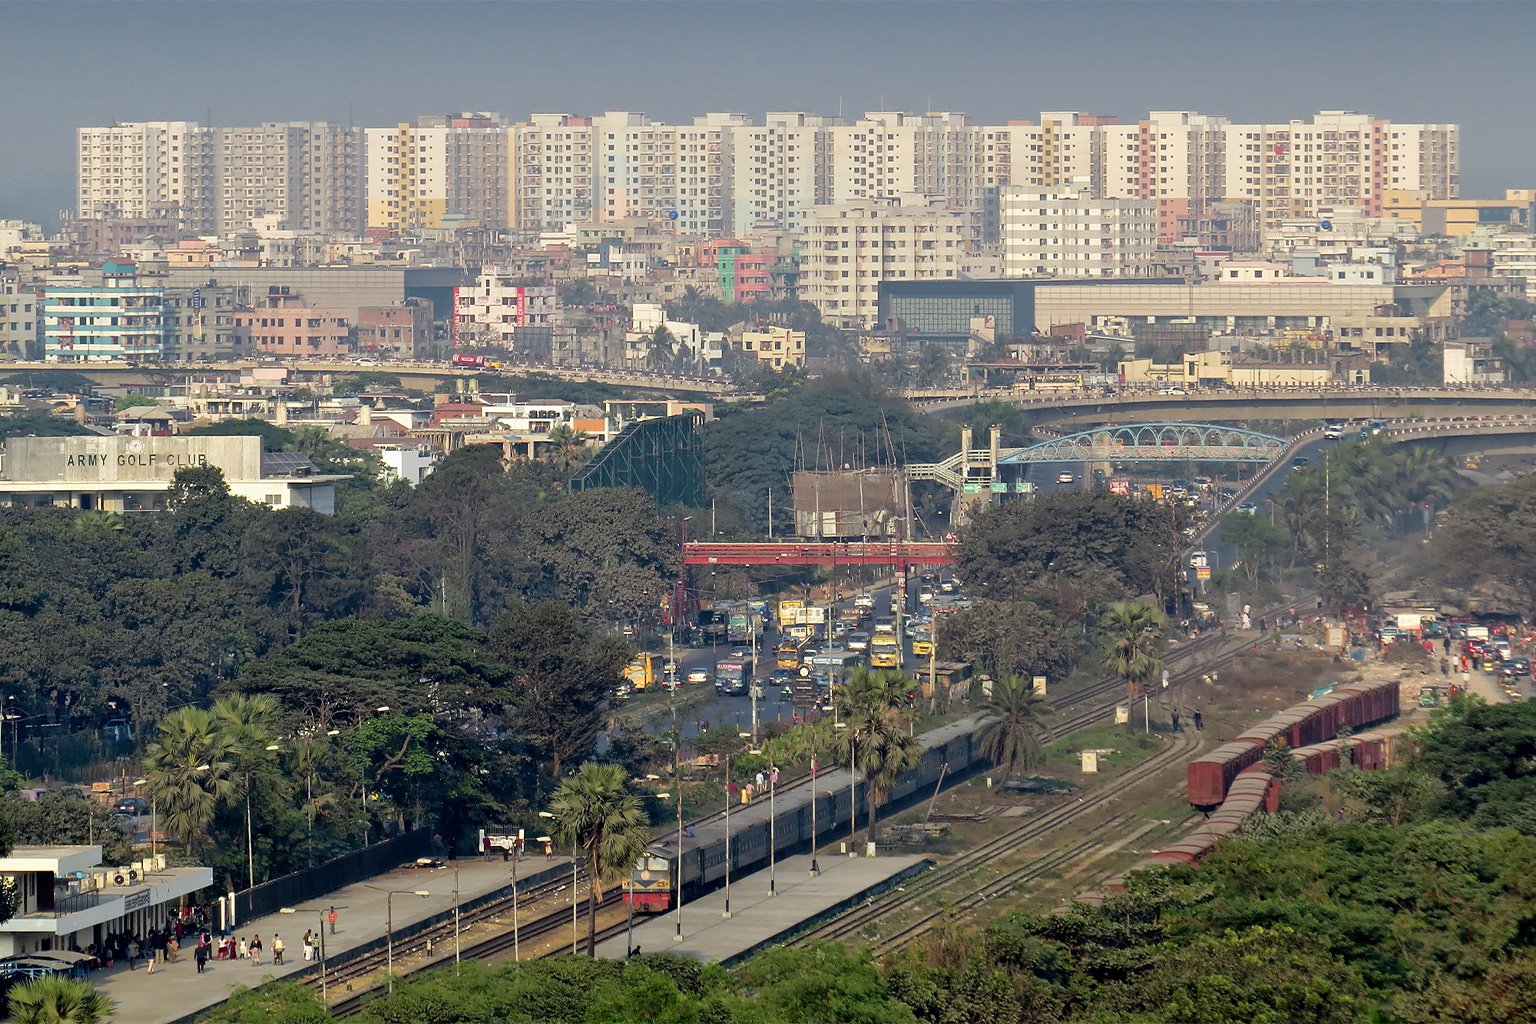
point(1152, 442)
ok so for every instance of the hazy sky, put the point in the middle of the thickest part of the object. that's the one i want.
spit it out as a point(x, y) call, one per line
point(63, 65)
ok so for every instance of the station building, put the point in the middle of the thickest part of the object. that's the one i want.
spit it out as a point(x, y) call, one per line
point(134, 474)
point(66, 898)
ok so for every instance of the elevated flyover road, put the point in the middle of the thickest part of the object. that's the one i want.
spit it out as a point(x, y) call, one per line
point(407, 370)
point(1132, 404)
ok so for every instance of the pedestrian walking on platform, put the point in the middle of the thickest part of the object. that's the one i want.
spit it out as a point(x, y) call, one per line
point(172, 947)
point(133, 953)
point(255, 950)
point(200, 955)
point(277, 950)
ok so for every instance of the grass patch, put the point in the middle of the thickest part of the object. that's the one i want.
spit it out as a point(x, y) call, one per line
point(1128, 745)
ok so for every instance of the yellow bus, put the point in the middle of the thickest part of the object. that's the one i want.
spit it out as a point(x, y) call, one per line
point(641, 672)
point(788, 655)
point(884, 652)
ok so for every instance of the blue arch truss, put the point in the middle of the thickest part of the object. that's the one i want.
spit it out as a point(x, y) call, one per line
point(1153, 442)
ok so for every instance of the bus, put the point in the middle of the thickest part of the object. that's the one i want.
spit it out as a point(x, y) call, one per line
point(884, 651)
point(834, 664)
point(732, 677)
point(641, 672)
point(744, 623)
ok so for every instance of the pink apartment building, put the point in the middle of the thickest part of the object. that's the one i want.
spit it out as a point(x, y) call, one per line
point(283, 326)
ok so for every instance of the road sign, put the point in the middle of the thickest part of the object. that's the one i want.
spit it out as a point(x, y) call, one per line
point(1203, 572)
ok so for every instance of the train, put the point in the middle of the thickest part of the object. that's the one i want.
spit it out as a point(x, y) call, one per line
point(948, 753)
point(1245, 786)
point(1351, 706)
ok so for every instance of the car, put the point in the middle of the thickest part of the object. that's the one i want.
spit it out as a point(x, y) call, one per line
point(858, 641)
point(1064, 478)
point(1334, 432)
point(1247, 508)
point(1299, 463)
point(698, 675)
point(1173, 391)
point(1514, 668)
point(864, 601)
point(131, 805)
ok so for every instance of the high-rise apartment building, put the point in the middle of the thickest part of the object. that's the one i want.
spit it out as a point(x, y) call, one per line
point(146, 169)
point(849, 248)
point(441, 170)
point(217, 180)
point(305, 173)
point(675, 173)
point(1074, 234)
point(122, 317)
point(554, 160)
point(778, 170)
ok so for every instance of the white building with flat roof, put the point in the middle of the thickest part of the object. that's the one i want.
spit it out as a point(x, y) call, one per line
point(134, 474)
point(66, 898)
point(1072, 234)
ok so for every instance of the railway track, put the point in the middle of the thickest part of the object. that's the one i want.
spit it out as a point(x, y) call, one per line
point(925, 895)
point(1085, 704)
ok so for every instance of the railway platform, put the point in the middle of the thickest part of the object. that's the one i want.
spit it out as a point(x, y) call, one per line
point(759, 920)
point(176, 992)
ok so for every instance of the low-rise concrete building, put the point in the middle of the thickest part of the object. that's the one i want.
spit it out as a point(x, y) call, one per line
point(283, 326)
point(134, 474)
point(67, 899)
point(777, 347)
point(1471, 361)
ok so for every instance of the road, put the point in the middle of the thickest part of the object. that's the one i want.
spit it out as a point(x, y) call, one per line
point(699, 704)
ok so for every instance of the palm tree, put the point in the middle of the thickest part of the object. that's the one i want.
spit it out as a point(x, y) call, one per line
point(594, 810)
point(1135, 633)
point(58, 1000)
point(568, 448)
point(189, 767)
point(249, 723)
point(1011, 721)
point(878, 740)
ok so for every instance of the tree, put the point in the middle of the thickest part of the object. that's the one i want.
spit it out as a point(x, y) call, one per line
point(1133, 631)
point(58, 1000)
point(1258, 542)
point(568, 449)
point(1010, 724)
point(248, 723)
point(560, 677)
point(189, 767)
point(879, 740)
point(594, 811)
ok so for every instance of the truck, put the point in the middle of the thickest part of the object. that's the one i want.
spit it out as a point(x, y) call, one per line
point(641, 672)
point(744, 623)
point(465, 361)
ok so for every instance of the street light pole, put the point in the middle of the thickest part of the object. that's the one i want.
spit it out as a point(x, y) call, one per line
point(773, 835)
point(677, 882)
point(389, 926)
point(815, 868)
point(325, 995)
point(727, 911)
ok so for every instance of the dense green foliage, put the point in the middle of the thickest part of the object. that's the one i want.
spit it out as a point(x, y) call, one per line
point(39, 424)
point(1487, 543)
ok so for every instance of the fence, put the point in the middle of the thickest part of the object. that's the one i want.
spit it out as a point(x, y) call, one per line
point(291, 890)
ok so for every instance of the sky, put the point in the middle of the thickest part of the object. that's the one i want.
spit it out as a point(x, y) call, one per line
point(69, 64)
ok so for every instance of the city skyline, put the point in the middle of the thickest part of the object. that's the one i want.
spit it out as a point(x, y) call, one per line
point(173, 61)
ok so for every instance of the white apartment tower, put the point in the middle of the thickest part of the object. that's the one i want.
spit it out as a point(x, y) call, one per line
point(672, 173)
point(1073, 234)
point(849, 248)
point(555, 170)
point(146, 169)
point(779, 170)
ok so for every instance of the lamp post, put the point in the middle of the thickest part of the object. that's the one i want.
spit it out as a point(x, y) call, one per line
point(773, 835)
point(319, 913)
point(853, 796)
point(389, 926)
point(727, 912)
point(575, 929)
point(154, 849)
point(677, 882)
point(250, 846)
point(815, 868)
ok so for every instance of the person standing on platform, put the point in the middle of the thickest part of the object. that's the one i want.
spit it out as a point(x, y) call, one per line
point(277, 950)
point(200, 955)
